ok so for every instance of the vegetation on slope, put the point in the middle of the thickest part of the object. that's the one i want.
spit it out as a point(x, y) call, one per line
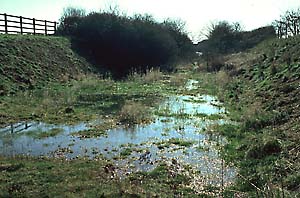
point(28, 62)
point(225, 38)
point(262, 90)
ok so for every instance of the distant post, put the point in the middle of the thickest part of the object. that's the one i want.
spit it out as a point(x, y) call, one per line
point(54, 27)
point(33, 25)
point(21, 24)
point(11, 128)
point(46, 27)
point(5, 23)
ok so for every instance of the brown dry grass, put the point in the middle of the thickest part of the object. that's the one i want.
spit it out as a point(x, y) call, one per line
point(134, 113)
point(151, 75)
point(222, 79)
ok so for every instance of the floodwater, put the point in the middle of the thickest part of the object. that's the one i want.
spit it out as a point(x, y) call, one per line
point(177, 118)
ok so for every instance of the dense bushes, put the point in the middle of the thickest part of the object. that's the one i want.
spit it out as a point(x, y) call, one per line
point(122, 44)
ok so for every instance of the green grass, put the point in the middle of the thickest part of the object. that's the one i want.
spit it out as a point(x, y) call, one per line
point(38, 177)
point(29, 62)
point(90, 133)
point(126, 152)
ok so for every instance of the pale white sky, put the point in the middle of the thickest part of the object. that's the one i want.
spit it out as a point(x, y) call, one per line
point(197, 14)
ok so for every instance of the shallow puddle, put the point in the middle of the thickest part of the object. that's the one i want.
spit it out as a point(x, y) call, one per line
point(175, 134)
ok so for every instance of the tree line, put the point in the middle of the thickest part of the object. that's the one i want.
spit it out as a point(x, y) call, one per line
point(121, 44)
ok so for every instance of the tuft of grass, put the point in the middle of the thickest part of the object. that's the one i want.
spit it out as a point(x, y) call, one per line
point(222, 79)
point(150, 76)
point(159, 171)
point(126, 152)
point(178, 79)
point(215, 63)
point(134, 113)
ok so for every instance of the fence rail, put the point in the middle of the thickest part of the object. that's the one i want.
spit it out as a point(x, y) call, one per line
point(10, 24)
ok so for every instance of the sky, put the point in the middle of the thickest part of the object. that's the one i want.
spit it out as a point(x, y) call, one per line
point(198, 14)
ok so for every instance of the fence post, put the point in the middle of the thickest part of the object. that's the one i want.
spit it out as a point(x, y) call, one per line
point(21, 24)
point(11, 128)
point(46, 27)
point(33, 26)
point(54, 27)
point(5, 23)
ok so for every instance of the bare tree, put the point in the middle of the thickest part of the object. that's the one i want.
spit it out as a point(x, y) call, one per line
point(289, 24)
point(70, 19)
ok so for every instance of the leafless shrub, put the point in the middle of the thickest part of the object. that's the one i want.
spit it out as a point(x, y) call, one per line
point(215, 63)
point(289, 24)
point(222, 78)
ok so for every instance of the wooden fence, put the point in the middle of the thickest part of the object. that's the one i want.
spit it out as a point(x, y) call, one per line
point(10, 24)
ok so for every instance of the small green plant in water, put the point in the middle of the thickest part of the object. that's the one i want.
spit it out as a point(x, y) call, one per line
point(174, 141)
point(90, 133)
point(41, 134)
point(126, 152)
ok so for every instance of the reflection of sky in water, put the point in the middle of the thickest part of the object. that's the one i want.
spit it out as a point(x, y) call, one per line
point(142, 137)
point(191, 105)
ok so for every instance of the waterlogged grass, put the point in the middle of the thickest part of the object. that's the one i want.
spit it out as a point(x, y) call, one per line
point(82, 100)
point(44, 134)
point(114, 102)
point(97, 130)
point(195, 100)
point(179, 115)
point(174, 141)
point(90, 133)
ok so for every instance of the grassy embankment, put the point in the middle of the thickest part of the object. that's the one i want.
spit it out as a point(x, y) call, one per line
point(31, 62)
point(261, 90)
